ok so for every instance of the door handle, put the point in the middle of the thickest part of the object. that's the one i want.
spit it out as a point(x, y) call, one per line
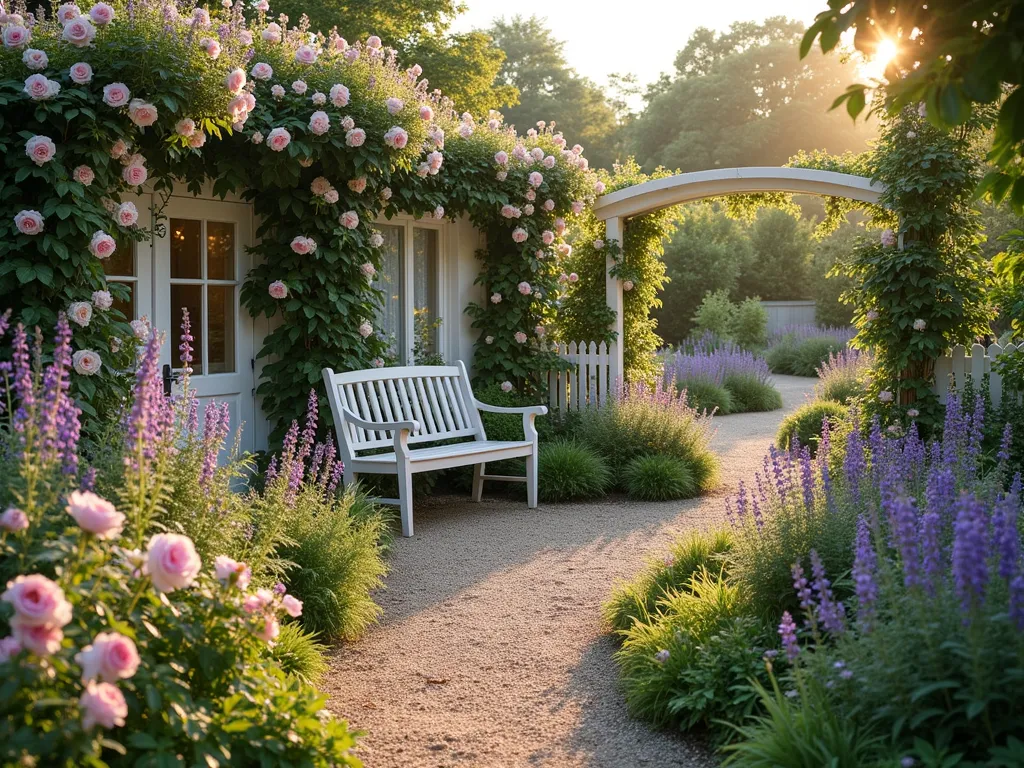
point(167, 379)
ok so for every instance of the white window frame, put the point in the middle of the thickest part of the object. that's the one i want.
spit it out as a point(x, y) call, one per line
point(407, 277)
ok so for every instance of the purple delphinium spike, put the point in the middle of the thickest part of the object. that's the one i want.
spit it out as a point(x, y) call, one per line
point(902, 517)
point(271, 473)
point(831, 613)
point(807, 478)
point(5, 322)
point(23, 391)
point(803, 589)
point(931, 551)
point(827, 488)
point(1017, 601)
point(318, 458)
point(865, 563)
point(940, 491)
point(970, 553)
point(185, 347)
point(758, 518)
point(144, 421)
point(89, 479)
point(1006, 538)
point(853, 462)
point(787, 631)
point(336, 474)
point(1005, 444)
point(69, 429)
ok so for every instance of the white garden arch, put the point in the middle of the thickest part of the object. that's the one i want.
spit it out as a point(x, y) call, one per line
point(615, 207)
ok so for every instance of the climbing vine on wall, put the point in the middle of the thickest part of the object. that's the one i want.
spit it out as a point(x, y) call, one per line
point(322, 136)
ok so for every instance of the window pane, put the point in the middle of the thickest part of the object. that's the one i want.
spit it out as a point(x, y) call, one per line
point(127, 308)
point(389, 280)
point(220, 250)
point(424, 264)
point(186, 248)
point(121, 261)
point(189, 297)
point(221, 328)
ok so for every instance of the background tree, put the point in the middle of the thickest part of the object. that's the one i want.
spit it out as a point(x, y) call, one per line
point(742, 98)
point(827, 287)
point(781, 266)
point(549, 89)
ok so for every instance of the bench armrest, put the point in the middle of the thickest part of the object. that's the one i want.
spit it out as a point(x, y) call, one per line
point(381, 426)
point(536, 410)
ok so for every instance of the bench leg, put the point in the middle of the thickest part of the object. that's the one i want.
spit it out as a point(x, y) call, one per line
point(478, 481)
point(350, 477)
point(405, 499)
point(531, 479)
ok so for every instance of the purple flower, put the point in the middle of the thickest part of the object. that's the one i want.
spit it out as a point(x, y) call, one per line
point(807, 478)
point(1006, 539)
point(903, 519)
point(787, 631)
point(185, 348)
point(931, 550)
point(803, 589)
point(831, 613)
point(970, 553)
point(1017, 601)
point(865, 563)
point(1004, 445)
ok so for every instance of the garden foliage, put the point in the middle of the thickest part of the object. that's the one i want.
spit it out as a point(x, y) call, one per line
point(799, 350)
point(720, 375)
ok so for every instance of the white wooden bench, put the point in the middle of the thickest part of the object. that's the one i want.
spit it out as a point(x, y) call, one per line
point(399, 408)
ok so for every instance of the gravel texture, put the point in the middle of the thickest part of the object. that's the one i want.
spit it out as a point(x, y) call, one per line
point(491, 650)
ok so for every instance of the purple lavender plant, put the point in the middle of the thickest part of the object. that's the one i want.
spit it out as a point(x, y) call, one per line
point(970, 553)
point(865, 564)
point(787, 631)
point(831, 613)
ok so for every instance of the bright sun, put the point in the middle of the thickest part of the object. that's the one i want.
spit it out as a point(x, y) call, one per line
point(874, 68)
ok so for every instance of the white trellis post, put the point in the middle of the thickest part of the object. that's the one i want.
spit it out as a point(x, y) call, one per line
point(614, 230)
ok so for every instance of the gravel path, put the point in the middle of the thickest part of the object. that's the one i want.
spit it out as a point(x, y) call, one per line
point(491, 651)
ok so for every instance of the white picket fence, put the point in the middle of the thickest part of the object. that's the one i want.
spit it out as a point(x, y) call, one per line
point(587, 383)
point(959, 363)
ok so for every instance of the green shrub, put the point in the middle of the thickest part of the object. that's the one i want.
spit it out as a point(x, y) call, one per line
point(650, 421)
point(337, 558)
point(707, 396)
point(569, 470)
point(813, 353)
point(638, 599)
point(299, 653)
point(782, 355)
point(805, 423)
point(749, 325)
point(714, 315)
point(688, 666)
point(659, 478)
point(508, 426)
point(749, 393)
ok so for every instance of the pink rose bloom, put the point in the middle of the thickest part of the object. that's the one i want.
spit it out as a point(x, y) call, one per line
point(426, 112)
point(277, 290)
point(339, 95)
point(573, 277)
point(306, 54)
point(506, 386)
point(319, 99)
point(598, 244)
point(111, 657)
point(197, 140)
point(235, 80)
point(29, 222)
point(42, 639)
point(368, 270)
point(142, 113)
point(201, 17)
point(577, 207)
point(102, 245)
point(127, 214)
point(435, 160)
point(520, 337)
point(232, 572)
point(79, 32)
point(510, 211)
point(537, 153)
point(33, 58)
point(349, 219)
point(319, 123)
point(519, 235)
point(134, 175)
point(535, 179)
point(885, 396)
point(40, 149)
point(86, 362)
point(376, 240)
point(172, 561)
point(37, 601)
point(577, 150)
point(38, 87)
point(81, 73)
point(119, 149)
point(15, 36)
point(94, 514)
point(292, 606)
point(547, 237)
point(549, 162)
point(101, 14)
point(466, 130)
point(356, 137)
point(495, 298)
point(102, 704)
point(627, 286)
point(9, 646)
point(599, 188)
point(563, 278)
point(303, 245)
point(531, 195)
point(299, 87)
point(524, 288)
point(340, 44)
point(365, 329)
point(396, 137)
point(185, 127)
point(278, 139)
point(252, 604)
point(211, 46)
point(549, 205)
point(102, 300)
point(116, 95)
point(319, 186)
point(80, 312)
point(373, 42)
point(262, 71)
point(540, 330)
point(920, 325)
point(268, 629)
point(394, 105)
point(272, 33)
point(565, 249)
point(358, 185)
point(13, 519)
point(888, 238)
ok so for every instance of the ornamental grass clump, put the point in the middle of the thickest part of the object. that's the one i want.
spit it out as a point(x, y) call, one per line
point(569, 470)
point(659, 478)
point(120, 644)
point(806, 425)
point(844, 376)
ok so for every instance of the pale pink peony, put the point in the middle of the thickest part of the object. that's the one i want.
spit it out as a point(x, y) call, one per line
point(426, 112)
point(35, 59)
point(272, 33)
point(396, 137)
point(524, 288)
point(319, 99)
point(319, 186)
point(262, 71)
point(134, 175)
point(111, 657)
point(339, 95)
point(119, 149)
point(319, 123)
point(599, 188)
point(95, 514)
point(277, 290)
point(547, 237)
point(172, 561)
point(357, 185)
point(495, 298)
point(40, 149)
point(142, 113)
point(549, 162)
point(102, 300)
point(102, 245)
point(435, 160)
point(278, 139)
point(185, 127)
point(520, 337)
point(549, 205)
point(127, 214)
point(42, 639)
point(885, 396)
point(197, 140)
point(102, 704)
point(306, 54)
point(13, 519)
point(506, 386)
point(394, 105)
point(535, 179)
point(38, 87)
point(299, 87)
point(577, 207)
point(537, 154)
point(540, 330)
point(80, 312)
point(564, 249)
point(232, 572)
point(303, 245)
point(29, 222)
point(79, 32)
point(15, 36)
point(365, 329)
point(37, 601)
point(277, 91)
point(81, 73)
point(101, 14)
point(257, 137)
point(292, 606)
point(356, 137)
point(116, 95)
point(519, 235)
point(920, 325)
point(373, 42)
point(368, 270)
point(211, 46)
point(376, 240)
point(466, 130)
point(349, 219)
point(86, 362)
point(510, 211)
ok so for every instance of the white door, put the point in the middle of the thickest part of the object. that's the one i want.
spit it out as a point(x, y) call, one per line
point(199, 262)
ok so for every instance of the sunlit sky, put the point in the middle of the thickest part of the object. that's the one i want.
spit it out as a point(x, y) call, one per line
point(638, 36)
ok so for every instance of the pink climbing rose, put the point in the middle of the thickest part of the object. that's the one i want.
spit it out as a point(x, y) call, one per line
point(278, 139)
point(102, 704)
point(319, 123)
point(349, 219)
point(13, 520)
point(172, 561)
point(116, 95)
point(520, 337)
point(525, 289)
point(355, 137)
point(277, 290)
point(102, 245)
point(110, 657)
point(86, 362)
point(29, 222)
point(84, 175)
point(519, 235)
point(396, 137)
point(365, 329)
point(40, 149)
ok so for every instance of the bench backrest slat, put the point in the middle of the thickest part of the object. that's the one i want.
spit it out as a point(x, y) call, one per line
point(438, 397)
